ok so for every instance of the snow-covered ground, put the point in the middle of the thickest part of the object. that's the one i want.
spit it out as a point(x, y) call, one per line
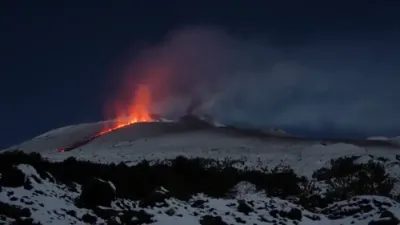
point(167, 140)
point(53, 203)
point(159, 141)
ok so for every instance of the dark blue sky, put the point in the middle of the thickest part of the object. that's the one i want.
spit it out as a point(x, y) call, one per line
point(60, 60)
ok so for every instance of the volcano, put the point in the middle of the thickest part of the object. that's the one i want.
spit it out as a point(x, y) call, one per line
point(141, 168)
point(159, 171)
point(137, 111)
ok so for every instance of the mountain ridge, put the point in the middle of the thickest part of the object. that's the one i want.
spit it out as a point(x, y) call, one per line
point(163, 172)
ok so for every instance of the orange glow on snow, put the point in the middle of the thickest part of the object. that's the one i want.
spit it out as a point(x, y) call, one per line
point(135, 112)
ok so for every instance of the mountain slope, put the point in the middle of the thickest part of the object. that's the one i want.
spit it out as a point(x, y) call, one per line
point(194, 138)
point(73, 192)
point(229, 176)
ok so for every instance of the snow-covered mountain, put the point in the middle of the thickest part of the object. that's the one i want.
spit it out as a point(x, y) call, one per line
point(393, 140)
point(228, 176)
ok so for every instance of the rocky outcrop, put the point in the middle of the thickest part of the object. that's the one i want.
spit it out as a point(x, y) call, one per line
point(12, 177)
point(96, 192)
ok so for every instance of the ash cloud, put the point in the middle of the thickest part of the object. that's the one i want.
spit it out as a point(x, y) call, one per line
point(315, 87)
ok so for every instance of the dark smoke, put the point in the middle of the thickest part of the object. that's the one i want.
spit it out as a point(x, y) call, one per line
point(324, 86)
point(195, 103)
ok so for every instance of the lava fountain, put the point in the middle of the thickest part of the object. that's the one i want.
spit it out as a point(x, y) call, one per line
point(137, 111)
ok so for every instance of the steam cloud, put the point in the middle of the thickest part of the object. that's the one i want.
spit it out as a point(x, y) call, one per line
point(248, 81)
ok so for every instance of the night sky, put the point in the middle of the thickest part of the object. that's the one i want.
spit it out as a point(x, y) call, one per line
point(312, 67)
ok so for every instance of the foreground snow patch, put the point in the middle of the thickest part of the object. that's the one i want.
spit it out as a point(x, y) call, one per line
point(51, 202)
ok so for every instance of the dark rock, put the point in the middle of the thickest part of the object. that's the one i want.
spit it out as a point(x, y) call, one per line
point(170, 212)
point(28, 185)
point(71, 213)
point(72, 188)
point(95, 193)
point(112, 221)
point(384, 222)
point(274, 213)
point(136, 218)
point(26, 212)
point(387, 214)
point(157, 197)
point(386, 218)
point(29, 202)
point(87, 218)
point(212, 220)
point(295, 214)
point(243, 207)
point(240, 220)
point(24, 221)
point(198, 204)
point(14, 211)
point(366, 201)
point(38, 192)
point(105, 213)
point(262, 219)
point(12, 177)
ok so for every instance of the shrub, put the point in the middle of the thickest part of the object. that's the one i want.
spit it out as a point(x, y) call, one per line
point(340, 167)
point(362, 179)
point(181, 176)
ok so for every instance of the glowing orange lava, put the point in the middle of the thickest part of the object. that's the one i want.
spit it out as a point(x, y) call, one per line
point(136, 111)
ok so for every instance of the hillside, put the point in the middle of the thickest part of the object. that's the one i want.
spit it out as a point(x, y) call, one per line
point(194, 172)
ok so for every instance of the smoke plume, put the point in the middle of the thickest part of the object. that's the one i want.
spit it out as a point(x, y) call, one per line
point(314, 87)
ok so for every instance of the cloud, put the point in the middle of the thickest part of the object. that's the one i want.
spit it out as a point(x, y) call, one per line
point(249, 81)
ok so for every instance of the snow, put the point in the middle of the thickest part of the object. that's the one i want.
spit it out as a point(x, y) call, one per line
point(378, 138)
point(278, 132)
point(244, 188)
point(108, 182)
point(50, 205)
point(395, 140)
point(28, 170)
point(155, 141)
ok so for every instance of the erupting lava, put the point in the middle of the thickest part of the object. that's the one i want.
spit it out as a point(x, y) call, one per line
point(137, 111)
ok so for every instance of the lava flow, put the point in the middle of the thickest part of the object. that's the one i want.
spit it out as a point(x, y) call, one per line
point(136, 112)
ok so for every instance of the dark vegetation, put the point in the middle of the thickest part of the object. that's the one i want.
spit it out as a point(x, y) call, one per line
point(21, 215)
point(184, 177)
point(12, 177)
point(347, 179)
